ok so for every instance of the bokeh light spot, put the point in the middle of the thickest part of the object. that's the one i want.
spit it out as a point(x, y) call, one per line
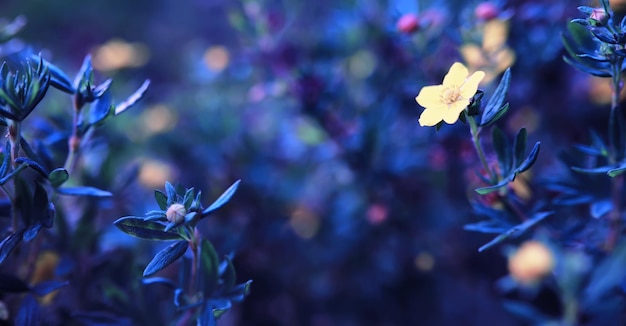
point(424, 261)
point(117, 54)
point(304, 223)
point(361, 64)
point(153, 173)
point(216, 58)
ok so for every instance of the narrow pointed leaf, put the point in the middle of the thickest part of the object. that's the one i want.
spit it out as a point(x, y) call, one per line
point(621, 168)
point(133, 99)
point(161, 199)
point(137, 227)
point(229, 276)
point(166, 257)
point(223, 199)
point(170, 191)
point(9, 243)
point(496, 102)
point(45, 288)
point(84, 191)
point(503, 150)
point(520, 146)
point(530, 160)
point(210, 266)
point(29, 313)
point(486, 190)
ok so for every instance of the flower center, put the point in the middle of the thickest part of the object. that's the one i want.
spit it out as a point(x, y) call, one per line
point(450, 95)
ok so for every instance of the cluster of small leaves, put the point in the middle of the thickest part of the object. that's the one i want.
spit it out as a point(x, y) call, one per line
point(176, 221)
point(512, 160)
point(595, 44)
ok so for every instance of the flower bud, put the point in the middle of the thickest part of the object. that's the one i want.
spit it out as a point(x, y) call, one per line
point(408, 23)
point(486, 11)
point(599, 16)
point(532, 261)
point(176, 213)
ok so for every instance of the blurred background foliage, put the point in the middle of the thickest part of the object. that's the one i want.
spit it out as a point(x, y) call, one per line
point(348, 213)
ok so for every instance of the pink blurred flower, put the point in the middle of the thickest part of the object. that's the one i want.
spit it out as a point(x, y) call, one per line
point(408, 23)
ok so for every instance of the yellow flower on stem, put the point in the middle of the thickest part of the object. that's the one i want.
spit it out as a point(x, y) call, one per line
point(447, 101)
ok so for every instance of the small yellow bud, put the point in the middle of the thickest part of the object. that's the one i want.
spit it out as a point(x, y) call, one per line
point(531, 262)
point(176, 213)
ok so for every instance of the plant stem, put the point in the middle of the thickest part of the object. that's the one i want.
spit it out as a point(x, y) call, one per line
point(475, 131)
point(614, 156)
point(74, 141)
point(14, 139)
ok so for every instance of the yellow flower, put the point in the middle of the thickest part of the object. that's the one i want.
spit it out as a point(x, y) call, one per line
point(445, 102)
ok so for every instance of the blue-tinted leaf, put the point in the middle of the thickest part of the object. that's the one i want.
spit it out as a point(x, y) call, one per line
point(83, 73)
point(33, 165)
point(161, 199)
point(12, 284)
point(529, 313)
point(207, 318)
point(165, 257)
point(502, 111)
point(615, 171)
point(486, 190)
point(587, 68)
point(519, 146)
point(209, 266)
point(4, 168)
point(502, 149)
point(220, 306)
point(84, 191)
point(101, 109)
point(486, 227)
point(239, 292)
point(29, 313)
point(600, 208)
point(133, 99)
point(44, 288)
point(58, 79)
point(229, 276)
point(530, 160)
point(58, 177)
point(223, 199)
point(159, 280)
point(9, 243)
point(606, 276)
point(137, 227)
point(31, 232)
point(496, 102)
point(516, 230)
point(188, 198)
point(170, 191)
point(598, 170)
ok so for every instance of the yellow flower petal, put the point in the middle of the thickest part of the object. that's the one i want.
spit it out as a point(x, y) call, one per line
point(451, 114)
point(432, 116)
point(469, 88)
point(456, 76)
point(430, 96)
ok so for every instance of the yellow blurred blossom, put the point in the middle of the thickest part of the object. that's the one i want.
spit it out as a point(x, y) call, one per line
point(216, 58)
point(493, 56)
point(446, 101)
point(117, 54)
point(532, 261)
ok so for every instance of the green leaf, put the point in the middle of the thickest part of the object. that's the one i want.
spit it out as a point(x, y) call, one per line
point(137, 227)
point(503, 150)
point(223, 199)
point(58, 177)
point(161, 199)
point(486, 190)
point(598, 170)
point(519, 146)
point(496, 102)
point(210, 266)
point(239, 292)
point(621, 168)
point(165, 257)
point(84, 191)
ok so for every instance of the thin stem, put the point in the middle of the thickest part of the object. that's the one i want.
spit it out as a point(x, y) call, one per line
point(614, 156)
point(475, 131)
point(74, 141)
point(570, 314)
point(14, 139)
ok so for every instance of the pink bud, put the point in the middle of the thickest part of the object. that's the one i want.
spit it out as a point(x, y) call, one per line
point(599, 15)
point(486, 11)
point(408, 23)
